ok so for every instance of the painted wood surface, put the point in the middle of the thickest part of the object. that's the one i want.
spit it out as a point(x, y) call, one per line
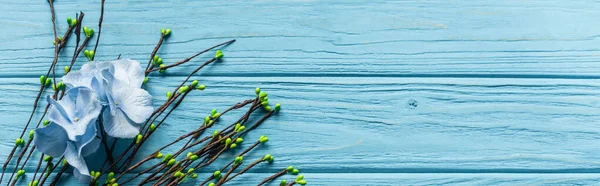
point(373, 92)
point(393, 179)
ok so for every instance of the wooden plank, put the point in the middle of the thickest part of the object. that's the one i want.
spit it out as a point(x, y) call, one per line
point(325, 38)
point(389, 179)
point(388, 125)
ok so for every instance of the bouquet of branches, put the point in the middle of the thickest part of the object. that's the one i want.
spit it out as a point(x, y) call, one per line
point(104, 107)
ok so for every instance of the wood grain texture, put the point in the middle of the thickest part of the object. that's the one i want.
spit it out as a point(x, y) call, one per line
point(391, 179)
point(392, 125)
point(326, 38)
point(374, 92)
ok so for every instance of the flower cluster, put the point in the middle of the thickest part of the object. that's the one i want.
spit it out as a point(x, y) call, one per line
point(109, 93)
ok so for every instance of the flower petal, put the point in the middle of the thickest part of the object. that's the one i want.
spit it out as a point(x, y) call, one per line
point(118, 125)
point(91, 147)
point(99, 87)
point(129, 71)
point(136, 103)
point(87, 108)
point(76, 79)
point(88, 142)
point(51, 140)
point(60, 116)
point(81, 170)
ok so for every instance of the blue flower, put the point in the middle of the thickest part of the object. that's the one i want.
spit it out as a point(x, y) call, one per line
point(117, 85)
point(72, 131)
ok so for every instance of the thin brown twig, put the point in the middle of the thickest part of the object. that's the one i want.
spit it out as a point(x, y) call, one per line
point(274, 176)
point(190, 58)
point(99, 29)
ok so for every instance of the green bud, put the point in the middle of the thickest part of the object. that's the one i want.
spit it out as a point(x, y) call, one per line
point(61, 85)
point(112, 180)
point(206, 119)
point(59, 38)
point(64, 162)
point(146, 80)
point(215, 134)
point(211, 184)
point(190, 170)
point(177, 174)
point(111, 175)
point(69, 19)
point(237, 126)
point(241, 128)
point(167, 32)
point(295, 171)
point(20, 173)
point(162, 68)
point(194, 83)
point(138, 138)
point(227, 141)
point(184, 89)
point(155, 58)
point(266, 157)
point(88, 32)
point(201, 87)
point(162, 31)
point(289, 168)
point(115, 184)
point(219, 54)
point(31, 132)
point(168, 94)
point(158, 62)
point(262, 94)
point(48, 81)
point(171, 162)
point(73, 23)
point(46, 122)
point(264, 99)
point(97, 174)
point(263, 139)
point(257, 90)
point(271, 159)
point(152, 127)
point(301, 182)
point(18, 142)
point(238, 160)
point(217, 115)
point(167, 157)
point(217, 174)
point(265, 103)
point(210, 122)
point(232, 146)
point(213, 112)
point(43, 80)
point(239, 140)
point(283, 182)
point(194, 176)
point(35, 183)
point(194, 157)
point(300, 177)
point(47, 158)
point(267, 108)
point(189, 154)
point(67, 69)
point(159, 155)
point(277, 107)
point(89, 54)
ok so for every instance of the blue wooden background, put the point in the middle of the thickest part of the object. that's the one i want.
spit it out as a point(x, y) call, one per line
point(374, 92)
